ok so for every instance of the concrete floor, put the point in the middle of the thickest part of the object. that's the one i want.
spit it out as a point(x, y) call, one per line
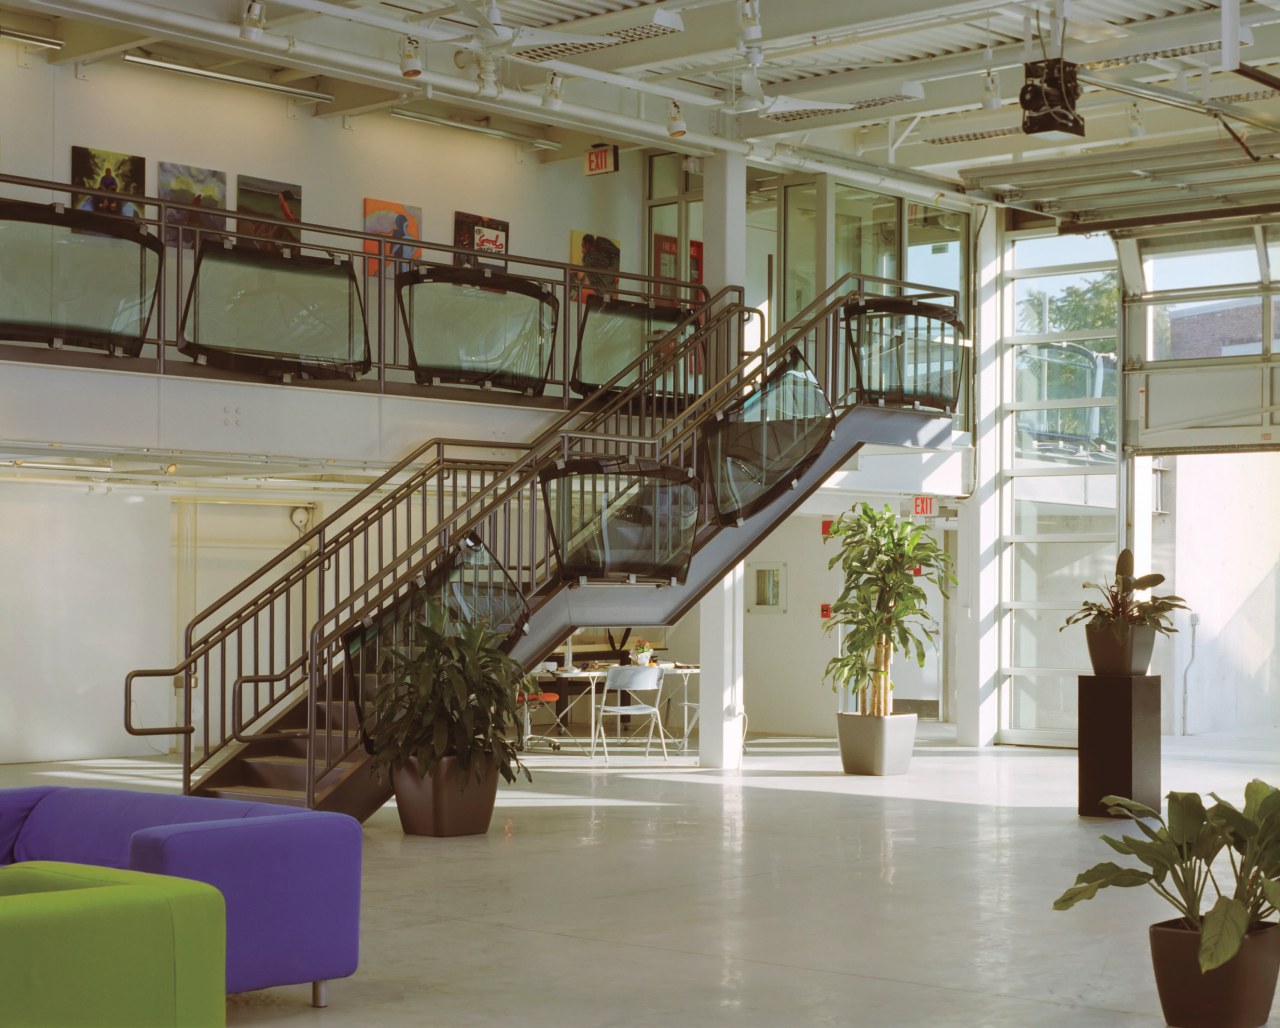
point(788, 894)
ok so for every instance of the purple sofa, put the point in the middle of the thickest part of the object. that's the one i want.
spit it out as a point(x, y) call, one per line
point(290, 877)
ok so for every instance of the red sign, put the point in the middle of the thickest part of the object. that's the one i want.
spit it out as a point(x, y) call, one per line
point(826, 527)
point(826, 610)
point(601, 160)
point(922, 506)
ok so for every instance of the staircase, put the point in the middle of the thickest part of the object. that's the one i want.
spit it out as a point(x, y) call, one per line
point(698, 447)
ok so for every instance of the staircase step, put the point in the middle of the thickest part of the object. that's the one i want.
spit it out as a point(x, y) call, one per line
point(260, 794)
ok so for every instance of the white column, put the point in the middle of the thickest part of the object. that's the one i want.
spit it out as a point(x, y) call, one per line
point(724, 221)
point(977, 627)
point(721, 721)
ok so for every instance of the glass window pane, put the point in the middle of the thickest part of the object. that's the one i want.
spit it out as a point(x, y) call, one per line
point(1090, 496)
point(1038, 643)
point(1065, 371)
point(664, 175)
point(935, 247)
point(1066, 434)
point(1066, 303)
point(1043, 701)
point(1221, 328)
point(1034, 517)
point(866, 232)
point(1057, 571)
point(1194, 261)
point(1050, 251)
point(801, 248)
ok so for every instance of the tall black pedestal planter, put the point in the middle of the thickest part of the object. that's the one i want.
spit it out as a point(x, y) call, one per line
point(1119, 740)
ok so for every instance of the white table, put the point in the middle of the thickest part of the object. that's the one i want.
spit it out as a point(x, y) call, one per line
point(684, 671)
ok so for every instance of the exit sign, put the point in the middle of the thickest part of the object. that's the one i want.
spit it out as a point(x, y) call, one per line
point(601, 160)
point(923, 507)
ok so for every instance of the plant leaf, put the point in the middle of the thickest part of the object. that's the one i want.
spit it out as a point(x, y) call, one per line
point(1222, 932)
point(1186, 817)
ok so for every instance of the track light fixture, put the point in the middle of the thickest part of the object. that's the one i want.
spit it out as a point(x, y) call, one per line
point(675, 122)
point(749, 30)
point(253, 21)
point(410, 57)
point(553, 97)
point(991, 98)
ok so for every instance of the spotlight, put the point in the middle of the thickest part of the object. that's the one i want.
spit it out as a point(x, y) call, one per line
point(553, 98)
point(991, 92)
point(1048, 100)
point(749, 30)
point(675, 122)
point(410, 57)
point(253, 21)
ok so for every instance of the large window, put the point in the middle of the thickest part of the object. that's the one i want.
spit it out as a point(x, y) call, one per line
point(1060, 465)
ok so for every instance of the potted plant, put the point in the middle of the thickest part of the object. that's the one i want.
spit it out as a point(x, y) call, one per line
point(886, 561)
point(439, 722)
point(1214, 968)
point(1121, 629)
point(641, 652)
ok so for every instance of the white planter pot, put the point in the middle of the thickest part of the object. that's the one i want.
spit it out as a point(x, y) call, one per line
point(876, 745)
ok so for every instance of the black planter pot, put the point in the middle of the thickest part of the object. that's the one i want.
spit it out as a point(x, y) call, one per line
point(1236, 995)
point(1128, 653)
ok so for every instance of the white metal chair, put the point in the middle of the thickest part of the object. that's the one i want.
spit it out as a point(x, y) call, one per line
point(637, 689)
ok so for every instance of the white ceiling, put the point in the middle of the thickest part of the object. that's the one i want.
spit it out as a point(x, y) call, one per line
point(1156, 90)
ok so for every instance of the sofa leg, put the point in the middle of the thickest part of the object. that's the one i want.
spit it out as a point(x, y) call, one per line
point(320, 993)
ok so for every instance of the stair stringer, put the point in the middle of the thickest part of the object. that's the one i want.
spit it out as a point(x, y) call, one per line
point(556, 613)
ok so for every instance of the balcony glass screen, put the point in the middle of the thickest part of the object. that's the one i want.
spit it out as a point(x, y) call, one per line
point(466, 325)
point(907, 354)
point(616, 518)
point(766, 439)
point(263, 311)
point(75, 278)
point(612, 334)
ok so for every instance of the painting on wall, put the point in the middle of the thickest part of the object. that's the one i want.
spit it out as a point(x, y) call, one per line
point(111, 171)
point(475, 232)
point(397, 220)
point(599, 253)
point(268, 198)
point(200, 187)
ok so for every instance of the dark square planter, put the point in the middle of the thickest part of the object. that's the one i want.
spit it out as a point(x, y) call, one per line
point(1119, 740)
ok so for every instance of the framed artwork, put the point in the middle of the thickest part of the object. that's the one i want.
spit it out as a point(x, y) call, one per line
point(268, 198)
point(397, 220)
point(200, 187)
point(108, 170)
point(476, 232)
point(599, 253)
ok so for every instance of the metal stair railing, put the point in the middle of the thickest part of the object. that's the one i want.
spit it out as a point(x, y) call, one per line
point(659, 414)
point(260, 632)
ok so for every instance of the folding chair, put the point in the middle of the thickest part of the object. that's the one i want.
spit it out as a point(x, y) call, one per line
point(637, 688)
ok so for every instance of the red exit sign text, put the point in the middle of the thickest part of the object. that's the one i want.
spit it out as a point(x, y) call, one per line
point(601, 160)
point(923, 507)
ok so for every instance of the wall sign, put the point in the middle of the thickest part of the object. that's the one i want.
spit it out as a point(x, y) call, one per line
point(601, 160)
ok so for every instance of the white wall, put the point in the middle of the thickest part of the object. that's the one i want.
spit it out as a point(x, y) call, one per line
point(338, 162)
point(86, 596)
point(1227, 556)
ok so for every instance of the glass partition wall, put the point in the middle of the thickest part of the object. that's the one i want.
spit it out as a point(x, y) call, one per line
point(1060, 464)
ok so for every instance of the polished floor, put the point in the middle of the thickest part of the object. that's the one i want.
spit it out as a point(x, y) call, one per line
point(786, 894)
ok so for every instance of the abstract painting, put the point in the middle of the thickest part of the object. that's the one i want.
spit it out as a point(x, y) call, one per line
point(599, 253)
point(111, 171)
point(199, 187)
point(267, 198)
point(398, 220)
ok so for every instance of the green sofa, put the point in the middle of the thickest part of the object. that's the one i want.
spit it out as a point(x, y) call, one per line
point(82, 945)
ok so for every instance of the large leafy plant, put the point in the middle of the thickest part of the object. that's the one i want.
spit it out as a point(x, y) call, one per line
point(1120, 606)
point(1234, 853)
point(886, 561)
point(451, 692)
